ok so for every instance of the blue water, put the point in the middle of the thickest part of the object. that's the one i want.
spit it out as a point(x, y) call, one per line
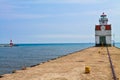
point(25, 55)
point(117, 45)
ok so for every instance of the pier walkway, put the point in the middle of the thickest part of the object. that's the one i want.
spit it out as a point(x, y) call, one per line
point(72, 67)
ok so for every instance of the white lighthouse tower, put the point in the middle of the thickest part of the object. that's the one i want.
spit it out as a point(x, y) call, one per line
point(103, 32)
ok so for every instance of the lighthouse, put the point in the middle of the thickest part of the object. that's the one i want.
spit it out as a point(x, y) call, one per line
point(11, 43)
point(103, 32)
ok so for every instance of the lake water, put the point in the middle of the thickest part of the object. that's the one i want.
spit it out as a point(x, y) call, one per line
point(117, 45)
point(25, 55)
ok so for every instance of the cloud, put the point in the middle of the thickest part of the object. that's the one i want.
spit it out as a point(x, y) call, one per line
point(64, 36)
point(95, 13)
point(68, 1)
point(57, 38)
point(55, 1)
point(35, 16)
point(8, 7)
point(23, 16)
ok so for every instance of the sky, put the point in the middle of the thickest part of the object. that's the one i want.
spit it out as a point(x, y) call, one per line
point(56, 21)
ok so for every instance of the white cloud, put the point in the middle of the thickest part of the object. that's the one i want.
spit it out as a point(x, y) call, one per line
point(7, 7)
point(69, 1)
point(65, 36)
point(55, 1)
point(35, 16)
point(13, 15)
point(23, 16)
point(51, 38)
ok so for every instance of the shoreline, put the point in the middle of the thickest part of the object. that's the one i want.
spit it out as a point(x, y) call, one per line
point(67, 65)
point(22, 68)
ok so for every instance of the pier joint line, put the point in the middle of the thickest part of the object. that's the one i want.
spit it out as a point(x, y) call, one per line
point(111, 65)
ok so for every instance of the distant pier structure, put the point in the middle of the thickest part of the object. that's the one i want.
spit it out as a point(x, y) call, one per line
point(103, 32)
point(11, 43)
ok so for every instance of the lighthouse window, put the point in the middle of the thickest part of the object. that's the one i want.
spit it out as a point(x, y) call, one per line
point(103, 21)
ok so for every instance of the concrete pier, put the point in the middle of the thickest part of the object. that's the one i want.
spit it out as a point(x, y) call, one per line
point(72, 67)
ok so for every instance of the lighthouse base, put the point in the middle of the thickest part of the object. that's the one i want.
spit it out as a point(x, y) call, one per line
point(101, 45)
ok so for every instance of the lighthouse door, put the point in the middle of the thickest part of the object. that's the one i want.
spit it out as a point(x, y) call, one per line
point(102, 40)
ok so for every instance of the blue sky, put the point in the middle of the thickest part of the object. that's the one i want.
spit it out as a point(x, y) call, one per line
point(55, 21)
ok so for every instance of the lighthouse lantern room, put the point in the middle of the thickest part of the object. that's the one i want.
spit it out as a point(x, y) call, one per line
point(103, 32)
